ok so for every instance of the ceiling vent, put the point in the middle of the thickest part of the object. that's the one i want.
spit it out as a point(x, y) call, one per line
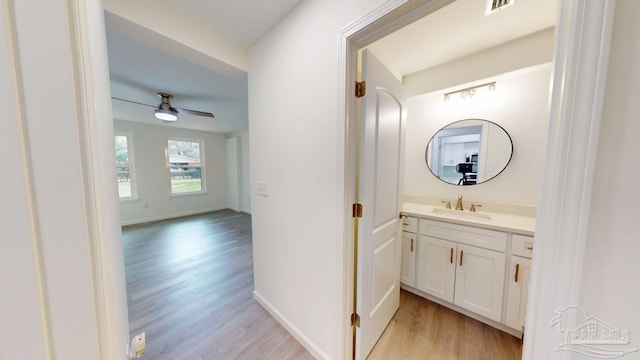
point(494, 6)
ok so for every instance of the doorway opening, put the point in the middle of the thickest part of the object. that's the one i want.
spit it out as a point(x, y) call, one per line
point(372, 40)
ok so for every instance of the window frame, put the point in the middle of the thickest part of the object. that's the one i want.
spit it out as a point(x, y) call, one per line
point(203, 182)
point(133, 181)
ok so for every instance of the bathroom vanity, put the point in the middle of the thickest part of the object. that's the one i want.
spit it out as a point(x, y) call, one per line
point(476, 263)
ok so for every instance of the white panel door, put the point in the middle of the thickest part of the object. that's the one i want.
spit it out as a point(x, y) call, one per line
point(437, 267)
point(409, 247)
point(518, 292)
point(380, 187)
point(480, 281)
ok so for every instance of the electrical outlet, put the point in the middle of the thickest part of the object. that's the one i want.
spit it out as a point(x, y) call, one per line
point(138, 346)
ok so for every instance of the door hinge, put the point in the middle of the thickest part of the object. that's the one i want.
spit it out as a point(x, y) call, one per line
point(361, 88)
point(355, 319)
point(356, 210)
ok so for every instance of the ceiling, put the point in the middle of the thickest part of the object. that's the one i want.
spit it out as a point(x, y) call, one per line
point(243, 22)
point(458, 30)
point(143, 62)
point(138, 71)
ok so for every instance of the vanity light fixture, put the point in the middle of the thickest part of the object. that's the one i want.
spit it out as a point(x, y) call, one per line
point(470, 91)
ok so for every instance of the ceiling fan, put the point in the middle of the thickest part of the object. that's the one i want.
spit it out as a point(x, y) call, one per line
point(165, 112)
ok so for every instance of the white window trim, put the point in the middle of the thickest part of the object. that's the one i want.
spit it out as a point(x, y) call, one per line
point(203, 188)
point(132, 167)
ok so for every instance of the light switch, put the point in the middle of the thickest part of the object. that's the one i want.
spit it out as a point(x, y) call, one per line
point(263, 188)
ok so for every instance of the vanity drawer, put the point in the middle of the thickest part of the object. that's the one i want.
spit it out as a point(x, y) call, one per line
point(410, 224)
point(522, 245)
point(488, 239)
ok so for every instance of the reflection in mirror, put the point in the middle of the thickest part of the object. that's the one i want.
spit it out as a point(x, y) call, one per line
point(469, 152)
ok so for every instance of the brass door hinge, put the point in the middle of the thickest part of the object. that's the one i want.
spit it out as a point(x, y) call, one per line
point(361, 88)
point(356, 210)
point(355, 319)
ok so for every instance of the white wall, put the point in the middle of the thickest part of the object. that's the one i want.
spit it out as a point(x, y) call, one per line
point(519, 104)
point(294, 142)
point(233, 173)
point(245, 171)
point(527, 51)
point(152, 174)
point(611, 268)
point(183, 30)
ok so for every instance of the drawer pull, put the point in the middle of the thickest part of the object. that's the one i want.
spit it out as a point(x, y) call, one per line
point(451, 256)
point(461, 256)
point(517, 271)
point(404, 223)
point(411, 244)
point(530, 248)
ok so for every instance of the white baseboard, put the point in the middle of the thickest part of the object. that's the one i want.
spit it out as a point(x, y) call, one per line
point(170, 216)
point(294, 331)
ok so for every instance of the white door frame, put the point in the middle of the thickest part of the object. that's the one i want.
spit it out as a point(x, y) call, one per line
point(583, 35)
point(93, 99)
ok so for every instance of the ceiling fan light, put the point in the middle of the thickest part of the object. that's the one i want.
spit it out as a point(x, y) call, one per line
point(166, 115)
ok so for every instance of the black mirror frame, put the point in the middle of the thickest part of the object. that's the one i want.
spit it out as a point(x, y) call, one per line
point(426, 151)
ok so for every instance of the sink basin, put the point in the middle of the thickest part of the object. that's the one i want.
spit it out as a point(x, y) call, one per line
point(465, 214)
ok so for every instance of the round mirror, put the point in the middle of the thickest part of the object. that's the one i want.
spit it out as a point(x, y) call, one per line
point(469, 152)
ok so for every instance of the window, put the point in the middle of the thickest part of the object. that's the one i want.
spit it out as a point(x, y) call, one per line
point(185, 166)
point(124, 164)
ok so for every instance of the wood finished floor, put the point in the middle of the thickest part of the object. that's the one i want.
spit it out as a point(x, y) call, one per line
point(189, 287)
point(422, 329)
point(190, 284)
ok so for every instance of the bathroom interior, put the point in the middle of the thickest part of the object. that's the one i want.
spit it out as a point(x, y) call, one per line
point(474, 149)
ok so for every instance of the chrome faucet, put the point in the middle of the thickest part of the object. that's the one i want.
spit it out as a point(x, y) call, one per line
point(459, 203)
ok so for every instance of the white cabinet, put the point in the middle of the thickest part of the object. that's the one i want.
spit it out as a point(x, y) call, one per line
point(409, 247)
point(437, 267)
point(409, 250)
point(518, 292)
point(409, 224)
point(480, 281)
point(474, 270)
point(462, 265)
point(468, 276)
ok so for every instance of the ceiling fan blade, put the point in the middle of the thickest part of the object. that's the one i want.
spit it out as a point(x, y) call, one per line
point(134, 102)
point(195, 112)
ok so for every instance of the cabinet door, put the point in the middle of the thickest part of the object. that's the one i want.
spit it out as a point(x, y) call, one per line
point(480, 281)
point(409, 246)
point(436, 267)
point(518, 291)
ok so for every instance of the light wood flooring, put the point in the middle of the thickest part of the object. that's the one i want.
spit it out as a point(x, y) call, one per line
point(422, 329)
point(189, 287)
point(190, 284)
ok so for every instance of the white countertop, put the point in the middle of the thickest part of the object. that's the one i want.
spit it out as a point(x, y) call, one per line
point(502, 222)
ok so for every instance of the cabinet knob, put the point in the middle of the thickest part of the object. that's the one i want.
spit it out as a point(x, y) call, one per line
point(411, 244)
point(461, 256)
point(517, 271)
point(451, 256)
